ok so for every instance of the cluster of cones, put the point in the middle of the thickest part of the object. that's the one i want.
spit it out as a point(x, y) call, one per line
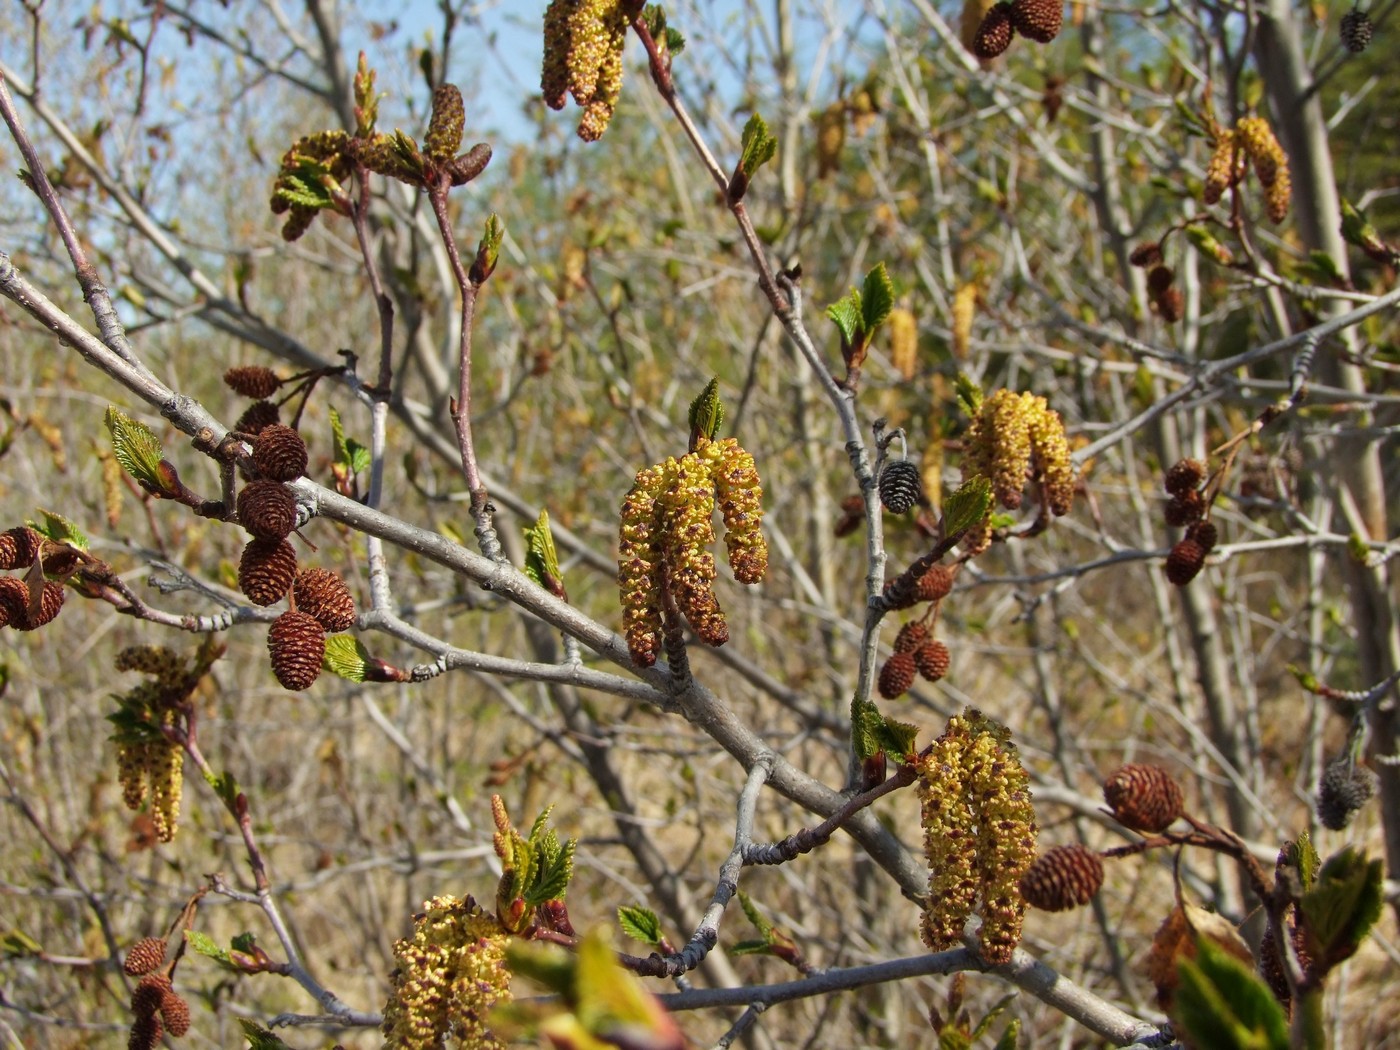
point(159, 1010)
point(1188, 508)
point(1038, 20)
point(27, 605)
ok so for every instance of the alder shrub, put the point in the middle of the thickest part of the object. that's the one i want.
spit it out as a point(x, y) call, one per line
point(365, 509)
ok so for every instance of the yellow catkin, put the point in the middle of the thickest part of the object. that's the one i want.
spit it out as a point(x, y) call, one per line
point(639, 568)
point(1006, 839)
point(1223, 169)
point(448, 975)
point(949, 842)
point(904, 343)
point(1006, 426)
point(740, 496)
point(964, 309)
point(831, 139)
point(554, 75)
point(1050, 458)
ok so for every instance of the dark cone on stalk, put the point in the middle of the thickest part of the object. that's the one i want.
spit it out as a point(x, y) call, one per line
point(897, 675)
point(257, 417)
point(1039, 20)
point(1203, 533)
point(296, 643)
point(1144, 798)
point(267, 509)
point(994, 33)
point(1356, 30)
point(18, 546)
point(900, 486)
point(1185, 475)
point(322, 594)
point(266, 570)
point(252, 381)
point(144, 956)
point(1343, 789)
point(934, 585)
point(1063, 878)
point(1185, 562)
point(1184, 508)
point(932, 660)
point(910, 637)
point(279, 453)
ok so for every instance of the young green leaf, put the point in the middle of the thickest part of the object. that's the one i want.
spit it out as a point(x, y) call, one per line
point(59, 529)
point(897, 738)
point(876, 299)
point(541, 559)
point(641, 924)
point(207, 946)
point(1342, 907)
point(552, 877)
point(346, 657)
point(757, 146)
point(866, 723)
point(225, 786)
point(259, 1038)
point(135, 447)
point(845, 313)
point(707, 412)
point(1222, 1004)
point(488, 250)
point(967, 507)
point(969, 395)
point(751, 912)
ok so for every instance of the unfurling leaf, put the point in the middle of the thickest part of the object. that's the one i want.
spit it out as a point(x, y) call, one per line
point(876, 299)
point(866, 724)
point(59, 529)
point(541, 559)
point(1221, 1003)
point(346, 656)
point(967, 507)
point(1342, 906)
point(136, 448)
point(488, 250)
point(641, 924)
point(706, 413)
point(208, 947)
point(845, 313)
point(259, 1038)
point(757, 146)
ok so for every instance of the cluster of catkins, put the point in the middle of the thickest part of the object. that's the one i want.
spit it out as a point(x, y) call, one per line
point(664, 536)
point(1187, 508)
point(1250, 141)
point(20, 607)
point(159, 1010)
point(150, 766)
point(1038, 20)
point(979, 835)
point(267, 570)
point(1142, 797)
point(1014, 438)
point(448, 976)
point(583, 43)
point(1166, 298)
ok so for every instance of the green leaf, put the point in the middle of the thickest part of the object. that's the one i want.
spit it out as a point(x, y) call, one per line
point(135, 447)
point(1010, 1037)
point(1220, 1003)
point(675, 42)
point(59, 529)
point(876, 299)
point(243, 942)
point(206, 946)
point(541, 559)
point(897, 738)
point(751, 912)
point(757, 147)
point(553, 875)
point(707, 411)
point(359, 456)
point(967, 507)
point(1342, 907)
point(866, 723)
point(969, 395)
point(751, 948)
point(259, 1038)
point(1305, 856)
point(346, 656)
point(641, 924)
point(339, 446)
point(488, 249)
point(845, 313)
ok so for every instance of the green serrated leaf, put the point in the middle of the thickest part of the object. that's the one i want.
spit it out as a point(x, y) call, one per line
point(260, 1038)
point(707, 411)
point(675, 42)
point(136, 447)
point(1304, 854)
point(969, 395)
point(641, 924)
point(876, 299)
point(59, 529)
point(541, 559)
point(865, 728)
point(207, 946)
point(757, 147)
point(243, 942)
point(845, 313)
point(552, 879)
point(1342, 907)
point(1222, 1004)
point(897, 738)
point(359, 456)
point(340, 449)
point(967, 507)
point(488, 249)
point(346, 656)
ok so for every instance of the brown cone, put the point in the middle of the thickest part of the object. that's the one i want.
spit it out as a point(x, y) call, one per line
point(266, 570)
point(1185, 562)
point(296, 643)
point(897, 675)
point(176, 1014)
point(1203, 533)
point(146, 1032)
point(1144, 798)
point(994, 33)
point(144, 956)
point(18, 546)
point(1040, 20)
point(322, 594)
point(14, 602)
point(1184, 508)
point(1185, 475)
point(252, 381)
point(149, 994)
point(267, 509)
point(256, 417)
point(279, 453)
point(932, 660)
point(910, 637)
point(934, 585)
point(1062, 878)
